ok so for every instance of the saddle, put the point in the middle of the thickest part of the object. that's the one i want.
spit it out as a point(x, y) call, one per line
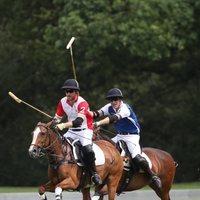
point(78, 158)
point(76, 148)
point(78, 155)
point(128, 164)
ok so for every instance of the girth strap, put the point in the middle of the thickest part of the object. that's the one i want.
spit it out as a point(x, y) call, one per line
point(83, 178)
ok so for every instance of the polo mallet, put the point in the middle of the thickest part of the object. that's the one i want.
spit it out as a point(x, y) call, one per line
point(69, 46)
point(21, 101)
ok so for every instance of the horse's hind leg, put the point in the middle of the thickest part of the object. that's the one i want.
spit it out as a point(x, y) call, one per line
point(157, 190)
point(163, 194)
point(166, 197)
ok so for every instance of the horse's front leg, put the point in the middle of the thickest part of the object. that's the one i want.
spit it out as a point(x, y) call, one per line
point(49, 186)
point(86, 194)
point(99, 194)
point(65, 184)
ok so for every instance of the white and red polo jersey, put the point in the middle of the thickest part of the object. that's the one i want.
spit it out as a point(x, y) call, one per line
point(79, 109)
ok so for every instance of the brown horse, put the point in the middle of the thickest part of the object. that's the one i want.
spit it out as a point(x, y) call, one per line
point(64, 172)
point(162, 164)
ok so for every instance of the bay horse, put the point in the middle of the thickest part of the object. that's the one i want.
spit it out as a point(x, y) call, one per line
point(64, 173)
point(163, 165)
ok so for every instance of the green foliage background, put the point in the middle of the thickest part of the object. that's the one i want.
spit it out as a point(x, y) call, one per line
point(148, 48)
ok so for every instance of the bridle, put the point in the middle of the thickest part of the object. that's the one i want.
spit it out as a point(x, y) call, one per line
point(43, 150)
point(55, 160)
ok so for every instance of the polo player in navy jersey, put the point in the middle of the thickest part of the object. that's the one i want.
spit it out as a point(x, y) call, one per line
point(127, 128)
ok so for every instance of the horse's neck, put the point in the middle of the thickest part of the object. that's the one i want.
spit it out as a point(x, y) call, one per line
point(68, 150)
point(60, 147)
point(56, 143)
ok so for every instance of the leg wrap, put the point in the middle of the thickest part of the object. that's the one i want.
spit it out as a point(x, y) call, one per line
point(42, 197)
point(58, 193)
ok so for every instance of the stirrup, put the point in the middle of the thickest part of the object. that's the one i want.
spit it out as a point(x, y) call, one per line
point(96, 179)
point(156, 181)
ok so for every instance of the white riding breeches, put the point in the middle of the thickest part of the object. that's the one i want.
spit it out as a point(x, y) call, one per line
point(132, 142)
point(84, 136)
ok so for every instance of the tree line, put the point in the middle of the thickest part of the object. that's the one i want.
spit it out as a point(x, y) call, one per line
point(149, 49)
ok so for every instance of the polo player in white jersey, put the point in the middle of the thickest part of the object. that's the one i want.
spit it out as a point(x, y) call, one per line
point(79, 123)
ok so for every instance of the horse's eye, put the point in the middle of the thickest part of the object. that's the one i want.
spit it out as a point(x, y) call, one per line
point(43, 133)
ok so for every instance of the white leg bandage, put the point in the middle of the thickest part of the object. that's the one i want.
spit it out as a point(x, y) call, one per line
point(42, 197)
point(58, 192)
point(95, 197)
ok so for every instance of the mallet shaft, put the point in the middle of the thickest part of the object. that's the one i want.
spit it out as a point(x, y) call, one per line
point(21, 101)
point(69, 46)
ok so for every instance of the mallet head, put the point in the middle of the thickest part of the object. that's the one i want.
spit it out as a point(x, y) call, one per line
point(70, 43)
point(14, 97)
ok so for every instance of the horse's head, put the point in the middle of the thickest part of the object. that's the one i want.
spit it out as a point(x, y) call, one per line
point(40, 140)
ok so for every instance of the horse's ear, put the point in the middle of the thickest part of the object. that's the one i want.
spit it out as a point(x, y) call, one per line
point(49, 124)
point(39, 123)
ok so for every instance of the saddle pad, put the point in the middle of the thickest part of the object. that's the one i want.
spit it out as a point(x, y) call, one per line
point(99, 155)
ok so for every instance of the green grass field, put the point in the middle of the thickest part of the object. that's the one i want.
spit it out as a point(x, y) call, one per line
point(194, 185)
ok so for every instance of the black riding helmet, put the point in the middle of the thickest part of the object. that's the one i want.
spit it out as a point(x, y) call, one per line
point(71, 84)
point(114, 92)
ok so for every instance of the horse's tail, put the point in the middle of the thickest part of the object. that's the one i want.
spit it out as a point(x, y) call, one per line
point(176, 164)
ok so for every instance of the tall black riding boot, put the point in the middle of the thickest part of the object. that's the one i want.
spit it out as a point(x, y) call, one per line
point(142, 163)
point(90, 161)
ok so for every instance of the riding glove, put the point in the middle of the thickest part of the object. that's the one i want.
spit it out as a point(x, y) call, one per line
point(96, 124)
point(61, 126)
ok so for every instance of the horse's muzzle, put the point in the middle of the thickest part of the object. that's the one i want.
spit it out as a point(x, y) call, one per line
point(36, 152)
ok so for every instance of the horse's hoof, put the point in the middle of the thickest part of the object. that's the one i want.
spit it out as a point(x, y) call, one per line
point(42, 197)
point(94, 197)
point(58, 197)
